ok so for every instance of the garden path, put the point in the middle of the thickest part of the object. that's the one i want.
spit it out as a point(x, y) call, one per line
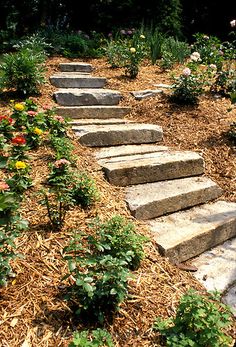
point(165, 187)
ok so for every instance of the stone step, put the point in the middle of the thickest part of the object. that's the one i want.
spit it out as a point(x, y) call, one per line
point(216, 270)
point(156, 199)
point(126, 150)
point(86, 97)
point(112, 135)
point(186, 234)
point(75, 67)
point(152, 167)
point(69, 80)
point(90, 121)
point(103, 112)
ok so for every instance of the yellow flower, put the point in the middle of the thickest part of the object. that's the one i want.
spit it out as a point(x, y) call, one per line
point(20, 165)
point(132, 50)
point(38, 131)
point(142, 37)
point(19, 107)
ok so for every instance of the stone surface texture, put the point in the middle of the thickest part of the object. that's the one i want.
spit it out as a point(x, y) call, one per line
point(144, 94)
point(103, 112)
point(152, 200)
point(77, 81)
point(75, 67)
point(152, 167)
point(98, 135)
point(82, 97)
point(186, 234)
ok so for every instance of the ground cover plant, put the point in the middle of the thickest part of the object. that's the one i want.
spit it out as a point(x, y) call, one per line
point(31, 305)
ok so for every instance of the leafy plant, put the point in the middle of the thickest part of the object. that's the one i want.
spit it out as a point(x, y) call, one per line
point(95, 338)
point(118, 238)
point(173, 51)
point(100, 280)
point(62, 146)
point(116, 52)
point(186, 88)
point(199, 321)
point(232, 132)
point(20, 180)
point(156, 40)
point(22, 71)
point(10, 225)
point(84, 191)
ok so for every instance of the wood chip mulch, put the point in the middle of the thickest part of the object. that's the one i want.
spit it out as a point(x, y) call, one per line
point(31, 308)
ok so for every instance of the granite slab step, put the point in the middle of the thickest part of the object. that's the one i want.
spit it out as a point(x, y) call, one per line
point(117, 134)
point(152, 167)
point(75, 67)
point(156, 199)
point(97, 111)
point(183, 235)
point(90, 121)
point(86, 97)
point(127, 150)
point(69, 80)
point(216, 268)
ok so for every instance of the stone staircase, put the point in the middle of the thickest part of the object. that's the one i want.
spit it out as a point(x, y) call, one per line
point(165, 187)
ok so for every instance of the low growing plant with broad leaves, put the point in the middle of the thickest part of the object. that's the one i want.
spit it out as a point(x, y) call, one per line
point(200, 321)
point(118, 238)
point(99, 280)
point(95, 338)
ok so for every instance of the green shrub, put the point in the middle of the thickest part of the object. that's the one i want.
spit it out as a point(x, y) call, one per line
point(186, 88)
point(199, 322)
point(84, 191)
point(156, 40)
point(22, 71)
point(116, 51)
point(97, 338)
point(173, 51)
point(100, 281)
point(118, 238)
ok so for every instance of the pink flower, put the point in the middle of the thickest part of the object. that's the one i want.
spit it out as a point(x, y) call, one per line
point(59, 118)
point(3, 186)
point(233, 23)
point(32, 113)
point(46, 107)
point(61, 162)
point(186, 71)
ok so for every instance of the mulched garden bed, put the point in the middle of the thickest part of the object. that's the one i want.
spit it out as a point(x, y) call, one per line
point(31, 308)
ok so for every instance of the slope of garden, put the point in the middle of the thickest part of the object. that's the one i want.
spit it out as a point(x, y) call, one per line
point(32, 307)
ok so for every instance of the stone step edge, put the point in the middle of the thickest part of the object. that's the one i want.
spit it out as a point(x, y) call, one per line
point(171, 196)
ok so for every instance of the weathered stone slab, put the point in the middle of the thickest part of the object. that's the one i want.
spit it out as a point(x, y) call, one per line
point(91, 121)
point(144, 94)
point(86, 97)
point(111, 135)
point(217, 267)
point(127, 150)
point(77, 81)
point(184, 235)
point(152, 167)
point(103, 112)
point(163, 85)
point(217, 271)
point(75, 67)
point(156, 199)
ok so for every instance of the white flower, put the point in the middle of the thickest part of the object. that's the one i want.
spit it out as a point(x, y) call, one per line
point(186, 71)
point(233, 23)
point(213, 66)
point(195, 56)
point(142, 37)
point(132, 50)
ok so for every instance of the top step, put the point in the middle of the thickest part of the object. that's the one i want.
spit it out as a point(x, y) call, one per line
point(75, 67)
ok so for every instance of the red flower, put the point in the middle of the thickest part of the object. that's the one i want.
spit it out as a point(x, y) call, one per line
point(10, 120)
point(18, 140)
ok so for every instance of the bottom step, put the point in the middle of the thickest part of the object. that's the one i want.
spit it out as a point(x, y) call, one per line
point(216, 271)
point(184, 235)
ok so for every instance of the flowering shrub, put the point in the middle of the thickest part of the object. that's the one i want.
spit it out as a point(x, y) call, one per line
point(186, 88)
point(20, 180)
point(6, 128)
